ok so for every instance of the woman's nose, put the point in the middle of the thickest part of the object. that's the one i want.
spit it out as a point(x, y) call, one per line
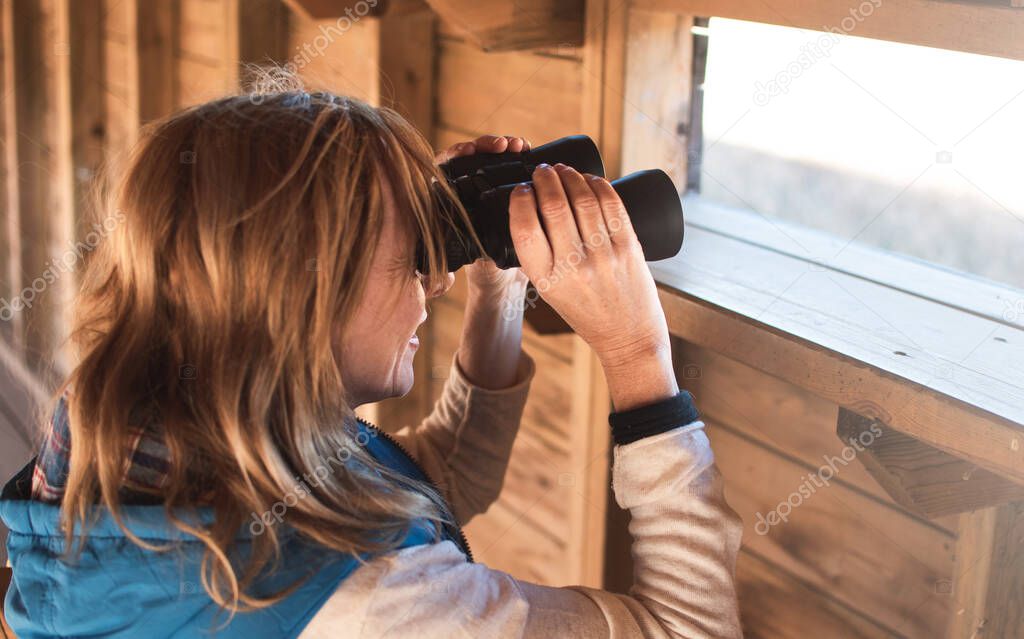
point(446, 284)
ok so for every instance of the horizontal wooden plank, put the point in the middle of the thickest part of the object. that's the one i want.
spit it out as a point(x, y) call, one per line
point(968, 293)
point(451, 31)
point(540, 482)
point(776, 605)
point(550, 401)
point(989, 28)
point(779, 415)
point(515, 26)
point(508, 93)
point(864, 555)
point(949, 378)
point(504, 540)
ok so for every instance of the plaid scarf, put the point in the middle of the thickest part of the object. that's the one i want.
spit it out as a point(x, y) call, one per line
point(145, 476)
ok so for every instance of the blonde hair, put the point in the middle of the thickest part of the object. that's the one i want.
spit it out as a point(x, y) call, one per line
point(247, 227)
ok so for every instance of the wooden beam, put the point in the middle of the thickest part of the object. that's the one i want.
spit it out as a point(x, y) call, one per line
point(987, 440)
point(407, 65)
point(40, 45)
point(10, 267)
point(156, 45)
point(656, 102)
point(88, 111)
point(989, 575)
point(918, 476)
point(512, 25)
point(989, 28)
point(336, 9)
point(589, 452)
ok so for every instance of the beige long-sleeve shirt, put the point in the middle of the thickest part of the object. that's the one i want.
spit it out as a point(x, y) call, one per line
point(685, 540)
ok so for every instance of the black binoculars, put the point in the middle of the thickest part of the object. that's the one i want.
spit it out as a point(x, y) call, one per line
point(483, 183)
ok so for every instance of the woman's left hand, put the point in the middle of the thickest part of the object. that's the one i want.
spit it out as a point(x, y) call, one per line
point(483, 278)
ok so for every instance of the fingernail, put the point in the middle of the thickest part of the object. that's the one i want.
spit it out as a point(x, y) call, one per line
point(544, 165)
point(560, 167)
point(522, 187)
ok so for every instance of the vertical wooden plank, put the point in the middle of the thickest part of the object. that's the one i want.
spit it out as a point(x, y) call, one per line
point(42, 77)
point(120, 79)
point(407, 81)
point(88, 133)
point(589, 458)
point(656, 113)
point(407, 66)
point(156, 45)
point(988, 583)
point(10, 253)
point(262, 31)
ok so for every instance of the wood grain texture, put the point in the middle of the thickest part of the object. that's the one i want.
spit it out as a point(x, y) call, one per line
point(846, 340)
point(778, 415)
point(511, 26)
point(407, 66)
point(323, 53)
point(656, 104)
point(989, 28)
point(988, 578)
point(776, 605)
point(42, 116)
point(532, 96)
point(921, 478)
point(890, 568)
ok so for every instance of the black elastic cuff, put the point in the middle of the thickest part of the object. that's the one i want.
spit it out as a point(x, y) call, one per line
point(653, 419)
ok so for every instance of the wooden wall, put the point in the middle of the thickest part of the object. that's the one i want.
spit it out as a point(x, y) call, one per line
point(860, 563)
point(849, 562)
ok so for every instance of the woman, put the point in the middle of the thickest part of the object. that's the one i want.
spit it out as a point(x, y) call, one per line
point(203, 469)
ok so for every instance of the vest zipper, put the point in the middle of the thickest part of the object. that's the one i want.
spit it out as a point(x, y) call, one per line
point(412, 460)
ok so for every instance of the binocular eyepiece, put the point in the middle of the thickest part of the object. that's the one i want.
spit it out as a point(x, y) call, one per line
point(483, 183)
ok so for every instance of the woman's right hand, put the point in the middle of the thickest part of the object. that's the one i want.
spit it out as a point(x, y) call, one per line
point(575, 242)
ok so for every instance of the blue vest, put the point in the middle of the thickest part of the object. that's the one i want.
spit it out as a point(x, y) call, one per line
point(115, 588)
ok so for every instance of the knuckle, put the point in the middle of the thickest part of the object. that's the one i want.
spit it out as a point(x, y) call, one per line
point(554, 210)
point(588, 202)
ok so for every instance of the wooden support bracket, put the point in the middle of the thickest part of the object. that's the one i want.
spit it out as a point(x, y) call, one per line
point(515, 25)
point(920, 477)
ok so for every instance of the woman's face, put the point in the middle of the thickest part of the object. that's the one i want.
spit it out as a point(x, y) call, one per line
point(377, 350)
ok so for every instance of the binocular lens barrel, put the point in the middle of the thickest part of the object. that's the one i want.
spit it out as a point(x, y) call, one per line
point(651, 201)
point(484, 183)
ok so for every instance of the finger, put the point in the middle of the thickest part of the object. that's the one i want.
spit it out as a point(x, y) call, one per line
point(555, 212)
point(616, 219)
point(456, 150)
point(515, 145)
point(491, 144)
point(528, 238)
point(585, 206)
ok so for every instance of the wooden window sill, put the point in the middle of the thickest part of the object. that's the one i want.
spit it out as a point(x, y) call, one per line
point(936, 354)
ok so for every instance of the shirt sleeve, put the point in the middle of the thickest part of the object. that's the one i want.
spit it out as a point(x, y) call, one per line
point(685, 542)
point(465, 443)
